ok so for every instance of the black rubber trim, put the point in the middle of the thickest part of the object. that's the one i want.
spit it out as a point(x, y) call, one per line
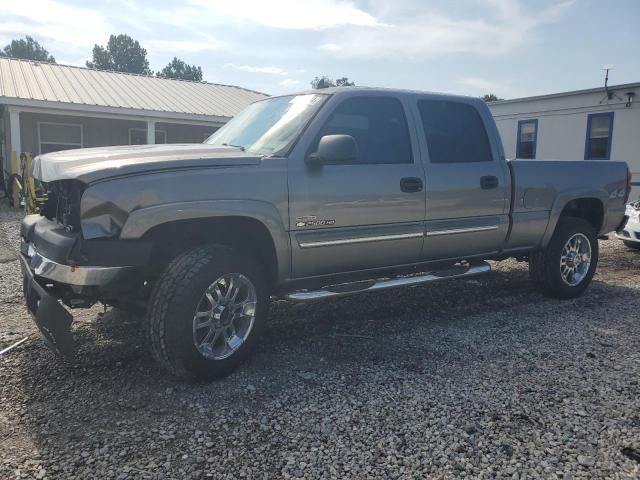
point(112, 252)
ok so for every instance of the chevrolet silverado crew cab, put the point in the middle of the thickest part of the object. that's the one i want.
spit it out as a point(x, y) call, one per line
point(303, 197)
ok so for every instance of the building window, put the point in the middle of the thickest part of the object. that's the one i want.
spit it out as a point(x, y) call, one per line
point(138, 136)
point(599, 133)
point(53, 137)
point(527, 139)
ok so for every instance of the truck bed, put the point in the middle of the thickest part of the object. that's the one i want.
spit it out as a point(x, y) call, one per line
point(540, 188)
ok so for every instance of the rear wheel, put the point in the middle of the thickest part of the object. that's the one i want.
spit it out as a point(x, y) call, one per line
point(566, 266)
point(206, 312)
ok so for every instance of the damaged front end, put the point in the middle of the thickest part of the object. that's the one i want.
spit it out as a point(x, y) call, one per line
point(62, 203)
point(62, 268)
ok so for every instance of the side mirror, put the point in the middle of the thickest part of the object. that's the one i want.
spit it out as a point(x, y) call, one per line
point(333, 149)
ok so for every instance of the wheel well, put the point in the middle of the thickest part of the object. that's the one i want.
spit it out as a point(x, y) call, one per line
point(590, 209)
point(245, 234)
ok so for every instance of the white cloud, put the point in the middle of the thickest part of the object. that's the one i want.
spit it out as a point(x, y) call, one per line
point(286, 14)
point(503, 27)
point(61, 27)
point(330, 47)
point(290, 82)
point(256, 69)
point(480, 84)
point(273, 40)
point(188, 46)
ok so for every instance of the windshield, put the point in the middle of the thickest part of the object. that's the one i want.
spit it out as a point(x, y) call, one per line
point(269, 127)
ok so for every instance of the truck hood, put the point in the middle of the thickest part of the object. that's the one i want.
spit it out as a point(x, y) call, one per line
point(93, 164)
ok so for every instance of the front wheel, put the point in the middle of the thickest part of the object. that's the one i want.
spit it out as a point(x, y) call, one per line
point(633, 245)
point(565, 267)
point(206, 312)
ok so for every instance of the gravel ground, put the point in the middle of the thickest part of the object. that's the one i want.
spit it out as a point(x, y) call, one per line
point(480, 379)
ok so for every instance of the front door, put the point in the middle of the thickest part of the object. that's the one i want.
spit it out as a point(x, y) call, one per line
point(467, 182)
point(366, 213)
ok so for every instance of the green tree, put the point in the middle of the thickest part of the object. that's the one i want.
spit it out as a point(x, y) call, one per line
point(322, 82)
point(344, 82)
point(326, 82)
point(28, 49)
point(122, 54)
point(181, 70)
point(490, 97)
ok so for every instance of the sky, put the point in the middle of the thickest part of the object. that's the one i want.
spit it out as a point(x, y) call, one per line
point(512, 48)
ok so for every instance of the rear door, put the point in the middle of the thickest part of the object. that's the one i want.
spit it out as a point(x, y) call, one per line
point(364, 214)
point(467, 181)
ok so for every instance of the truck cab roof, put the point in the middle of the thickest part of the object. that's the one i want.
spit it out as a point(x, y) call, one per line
point(352, 91)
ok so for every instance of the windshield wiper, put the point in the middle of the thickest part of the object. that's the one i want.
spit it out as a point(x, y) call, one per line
point(230, 145)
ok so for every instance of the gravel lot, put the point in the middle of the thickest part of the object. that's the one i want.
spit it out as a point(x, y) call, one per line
point(480, 379)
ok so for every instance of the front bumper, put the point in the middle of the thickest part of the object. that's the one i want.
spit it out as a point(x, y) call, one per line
point(102, 269)
point(630, 232)
point(51, 318)
point(47, 284)
point(73, 275)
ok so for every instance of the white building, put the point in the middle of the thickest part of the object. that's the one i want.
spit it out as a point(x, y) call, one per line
point(585, 124)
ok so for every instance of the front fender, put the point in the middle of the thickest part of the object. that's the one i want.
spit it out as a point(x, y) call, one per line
point(144, 219)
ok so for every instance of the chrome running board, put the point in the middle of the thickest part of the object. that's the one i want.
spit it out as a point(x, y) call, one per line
point(343, 289)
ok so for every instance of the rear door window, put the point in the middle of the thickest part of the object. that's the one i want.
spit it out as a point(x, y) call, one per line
point(454, 132)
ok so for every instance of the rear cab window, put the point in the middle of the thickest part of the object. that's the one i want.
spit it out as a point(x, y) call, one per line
point(454, 132)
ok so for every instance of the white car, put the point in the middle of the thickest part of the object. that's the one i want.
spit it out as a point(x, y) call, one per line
point(630, 234)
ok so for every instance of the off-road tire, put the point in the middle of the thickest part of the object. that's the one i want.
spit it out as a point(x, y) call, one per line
point(544, 264)
point(173, 301)
point(632, 245)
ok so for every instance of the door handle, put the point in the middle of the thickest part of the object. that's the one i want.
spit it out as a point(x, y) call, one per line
point(411, 184)
point(488, 182)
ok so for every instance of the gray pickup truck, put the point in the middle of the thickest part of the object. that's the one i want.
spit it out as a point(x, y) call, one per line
point(303, 197)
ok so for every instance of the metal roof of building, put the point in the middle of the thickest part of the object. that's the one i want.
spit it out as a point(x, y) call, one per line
point(616, 88)
point(41, 84)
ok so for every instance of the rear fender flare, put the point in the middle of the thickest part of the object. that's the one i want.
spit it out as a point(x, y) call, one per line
point(561, 202)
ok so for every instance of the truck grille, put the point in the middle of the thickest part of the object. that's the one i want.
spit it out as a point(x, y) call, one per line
point(63, 203)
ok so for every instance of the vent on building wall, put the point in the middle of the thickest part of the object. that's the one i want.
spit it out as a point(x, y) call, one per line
point(630, 96)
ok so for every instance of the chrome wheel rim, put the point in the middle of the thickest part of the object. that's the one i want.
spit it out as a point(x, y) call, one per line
point(224, 316)
point(575, 259)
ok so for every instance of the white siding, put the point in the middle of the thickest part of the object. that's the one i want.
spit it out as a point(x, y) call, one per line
point(562, 125)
